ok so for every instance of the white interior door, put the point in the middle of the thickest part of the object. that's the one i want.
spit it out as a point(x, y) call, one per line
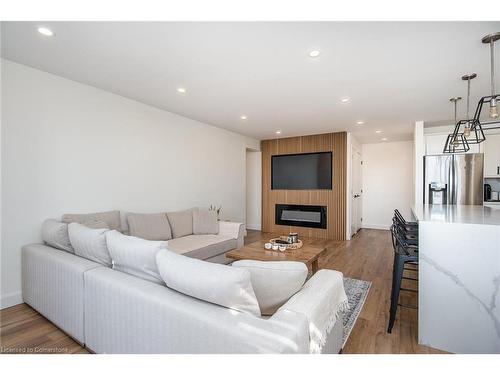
point(356, 192)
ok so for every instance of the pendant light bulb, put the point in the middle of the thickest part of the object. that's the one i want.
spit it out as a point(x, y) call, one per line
point(493, 103)
point(493, 109)
point(466, 131)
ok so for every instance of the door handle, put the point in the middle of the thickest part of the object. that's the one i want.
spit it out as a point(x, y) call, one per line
point(356, 195)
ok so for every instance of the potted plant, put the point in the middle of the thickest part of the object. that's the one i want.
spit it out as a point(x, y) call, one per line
point(217, 210)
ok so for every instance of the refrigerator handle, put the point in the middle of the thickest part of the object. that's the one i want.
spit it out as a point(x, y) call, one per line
point(451, 179)
point(455, 181)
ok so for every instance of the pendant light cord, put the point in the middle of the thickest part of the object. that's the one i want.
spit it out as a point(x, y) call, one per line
point(455, 110)
point(468, 96)
point(492, 52)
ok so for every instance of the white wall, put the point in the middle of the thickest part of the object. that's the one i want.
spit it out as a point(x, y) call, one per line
point(68, 147)
point(254, 189)
point(387, 182)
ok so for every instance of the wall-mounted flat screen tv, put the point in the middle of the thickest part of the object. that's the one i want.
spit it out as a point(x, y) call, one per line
point(312, 171)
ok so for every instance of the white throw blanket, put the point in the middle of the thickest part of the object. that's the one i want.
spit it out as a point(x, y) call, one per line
point(321, 305)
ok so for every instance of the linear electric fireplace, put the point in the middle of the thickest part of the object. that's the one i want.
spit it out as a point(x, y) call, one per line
point(299, 215)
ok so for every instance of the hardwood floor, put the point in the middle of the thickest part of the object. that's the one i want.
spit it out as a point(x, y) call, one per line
point(368, 256)
point(23, 330)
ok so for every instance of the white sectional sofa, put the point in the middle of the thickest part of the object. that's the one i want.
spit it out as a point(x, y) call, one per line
point(110, 311)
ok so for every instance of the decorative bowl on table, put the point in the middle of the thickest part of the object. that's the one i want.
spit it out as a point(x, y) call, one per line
point(282, 240)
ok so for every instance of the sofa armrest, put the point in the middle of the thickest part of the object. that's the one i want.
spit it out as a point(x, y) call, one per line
point(293, 327)
point(52, 283)
point(322, 300)
point(233, 230)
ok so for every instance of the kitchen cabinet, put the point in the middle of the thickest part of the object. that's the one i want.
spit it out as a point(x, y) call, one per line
point(492, 155)
point(434, 144)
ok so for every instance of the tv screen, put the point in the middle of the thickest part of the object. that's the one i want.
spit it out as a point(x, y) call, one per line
point(302, 171)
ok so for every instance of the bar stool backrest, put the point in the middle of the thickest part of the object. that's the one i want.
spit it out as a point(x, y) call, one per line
point(409, 225)
point(399, 241)
point(404, 235)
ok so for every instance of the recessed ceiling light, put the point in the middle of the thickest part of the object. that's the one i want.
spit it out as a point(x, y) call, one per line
point(278, 131)
point(181, 90)
point(45, 31)
point(314, 53)
point(243, 117)
point(360, 123)
point(345, 100)
point(378, 131)
point(384, 139)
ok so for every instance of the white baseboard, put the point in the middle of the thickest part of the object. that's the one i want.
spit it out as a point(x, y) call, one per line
point(10, 299)
point(253, 226)
point(376, 226)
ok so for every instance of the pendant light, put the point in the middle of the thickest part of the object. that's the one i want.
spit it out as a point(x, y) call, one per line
point(492, 100)
point(455, 142)
point(470, 128)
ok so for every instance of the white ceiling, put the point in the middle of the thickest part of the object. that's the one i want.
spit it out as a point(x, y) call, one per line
point(394, 73)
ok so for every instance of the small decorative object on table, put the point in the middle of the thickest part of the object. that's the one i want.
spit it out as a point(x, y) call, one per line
point(283, 240)
point(293, 238)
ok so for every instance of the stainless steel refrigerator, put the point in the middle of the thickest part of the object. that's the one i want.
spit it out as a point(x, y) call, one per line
point(453, 179)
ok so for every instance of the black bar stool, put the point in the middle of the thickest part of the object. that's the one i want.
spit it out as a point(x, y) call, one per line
point(405, 243)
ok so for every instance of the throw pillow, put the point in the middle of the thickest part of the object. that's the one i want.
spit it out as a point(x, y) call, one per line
point(205, 222)
point(95, 224)
point(55, 234)
point(274, 282)
point(135, 256)
point(181, 223)
point(89, 243)
point(111, 218)
point(216, 283)
point(149, 226)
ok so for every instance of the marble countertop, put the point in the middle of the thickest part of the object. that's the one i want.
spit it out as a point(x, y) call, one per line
point(457, 214)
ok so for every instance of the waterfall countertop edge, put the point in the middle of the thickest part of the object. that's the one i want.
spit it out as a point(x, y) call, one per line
point(458, 214)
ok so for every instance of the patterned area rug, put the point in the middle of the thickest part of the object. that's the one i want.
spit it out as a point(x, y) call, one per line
point(357, 291)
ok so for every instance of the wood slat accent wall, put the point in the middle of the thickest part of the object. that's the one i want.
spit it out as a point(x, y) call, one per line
point(334, 200)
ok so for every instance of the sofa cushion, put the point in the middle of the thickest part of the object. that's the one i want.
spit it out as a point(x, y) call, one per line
point(134, 255)
point(111, 218)
point(153, 227)
point(55, 234)
point(223, 285)
point(274, 282)
point(202, 246)
point(95, 224)
point(205, 222)
point(181, 222)
point(89, 243)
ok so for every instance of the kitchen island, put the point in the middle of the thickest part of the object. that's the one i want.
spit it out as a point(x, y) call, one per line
point(459, 278)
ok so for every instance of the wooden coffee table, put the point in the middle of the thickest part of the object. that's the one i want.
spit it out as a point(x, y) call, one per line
point(308, 254)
